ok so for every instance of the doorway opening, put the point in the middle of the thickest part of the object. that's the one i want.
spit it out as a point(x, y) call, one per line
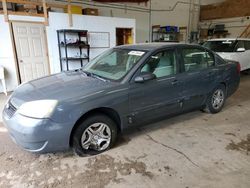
point(124, 36)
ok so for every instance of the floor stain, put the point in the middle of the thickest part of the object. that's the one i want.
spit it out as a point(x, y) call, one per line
point(231, 134)
point(122, 140)
point(243, 145)
point(97, 171)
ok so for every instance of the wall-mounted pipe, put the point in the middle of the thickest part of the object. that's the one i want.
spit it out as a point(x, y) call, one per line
point(121, 7)
point(150, 22)
point(128, 7)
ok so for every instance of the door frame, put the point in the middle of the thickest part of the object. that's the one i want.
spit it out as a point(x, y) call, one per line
point(132, 33)
point(15, 50)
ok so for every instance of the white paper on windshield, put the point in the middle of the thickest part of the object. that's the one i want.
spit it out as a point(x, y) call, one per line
point(137, 53)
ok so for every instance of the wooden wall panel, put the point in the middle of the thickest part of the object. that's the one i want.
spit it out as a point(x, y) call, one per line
point(227, 9)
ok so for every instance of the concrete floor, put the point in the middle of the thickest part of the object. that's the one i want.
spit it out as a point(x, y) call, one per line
point(192, 150)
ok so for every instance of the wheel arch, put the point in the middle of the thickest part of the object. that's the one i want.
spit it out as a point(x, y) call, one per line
point(109, 112)
point(225, 85)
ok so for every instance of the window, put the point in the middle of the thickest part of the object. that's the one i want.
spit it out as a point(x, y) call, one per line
point(240, 44)
point(247, 45)
point(162, 64)
point(197, 59)
point(221, 46)
point(210, 59)
point(114, 64)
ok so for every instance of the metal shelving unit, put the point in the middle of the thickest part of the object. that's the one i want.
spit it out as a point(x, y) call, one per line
point(161, 34)
point(65, 42)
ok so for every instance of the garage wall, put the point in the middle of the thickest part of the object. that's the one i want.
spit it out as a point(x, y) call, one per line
point(167, 12)
point(235, 26)
point(7, 59)
point(142, 20)
point(207, 2)
point(57, 21)
point(7, 56)
point(91, 23)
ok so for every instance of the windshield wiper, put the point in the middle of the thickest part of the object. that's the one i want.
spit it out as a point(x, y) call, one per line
point(90, 74)
point(86, 73)
point(97, 76)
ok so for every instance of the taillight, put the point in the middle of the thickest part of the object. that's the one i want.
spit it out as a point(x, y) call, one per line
point(238, 67)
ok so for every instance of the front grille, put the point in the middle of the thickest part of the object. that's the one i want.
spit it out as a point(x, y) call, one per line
point(10, 110)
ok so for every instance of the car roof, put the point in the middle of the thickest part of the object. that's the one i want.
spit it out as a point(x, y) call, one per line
point(151, 46)
point(226, 39)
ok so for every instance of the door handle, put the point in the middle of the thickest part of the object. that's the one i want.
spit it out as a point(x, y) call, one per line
point(21, 61)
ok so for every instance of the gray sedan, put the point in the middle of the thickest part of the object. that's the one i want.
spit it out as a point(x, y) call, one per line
point(125, 87)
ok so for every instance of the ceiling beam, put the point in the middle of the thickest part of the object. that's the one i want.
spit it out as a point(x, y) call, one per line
point(56, 5)
point(5, 11)
point(122, 1)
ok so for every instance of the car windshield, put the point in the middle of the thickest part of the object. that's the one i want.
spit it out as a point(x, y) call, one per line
point(114, 64)
point(221, 46)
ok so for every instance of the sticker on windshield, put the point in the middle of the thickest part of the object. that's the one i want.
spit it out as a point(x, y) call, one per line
point(137, 53)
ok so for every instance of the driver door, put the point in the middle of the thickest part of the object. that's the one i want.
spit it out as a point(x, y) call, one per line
point(158, 97)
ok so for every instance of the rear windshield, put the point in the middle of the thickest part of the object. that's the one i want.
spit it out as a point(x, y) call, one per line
point(221, 46)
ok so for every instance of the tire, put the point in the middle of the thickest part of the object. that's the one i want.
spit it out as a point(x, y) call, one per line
point(94, 135)
point(216, 100)
point(247, 72)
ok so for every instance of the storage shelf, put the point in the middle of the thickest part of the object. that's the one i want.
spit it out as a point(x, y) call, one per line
point(81, 43)
point(74, 58)
point(75, 45)
point(160, 32)
point(72, 31)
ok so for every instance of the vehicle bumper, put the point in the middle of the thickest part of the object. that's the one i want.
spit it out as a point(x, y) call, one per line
point(37, 135)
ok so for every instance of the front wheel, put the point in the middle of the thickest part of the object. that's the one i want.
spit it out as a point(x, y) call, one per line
point(216, 100)
point(94, 135)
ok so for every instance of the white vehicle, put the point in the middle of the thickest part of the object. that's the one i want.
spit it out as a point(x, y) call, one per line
point(236, 49)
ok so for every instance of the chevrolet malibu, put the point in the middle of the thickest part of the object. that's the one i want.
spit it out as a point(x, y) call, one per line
point(127, 86)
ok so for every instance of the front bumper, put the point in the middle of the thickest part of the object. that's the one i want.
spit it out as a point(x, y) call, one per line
point(37, 135)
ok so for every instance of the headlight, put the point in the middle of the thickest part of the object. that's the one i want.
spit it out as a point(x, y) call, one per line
point(38, 109)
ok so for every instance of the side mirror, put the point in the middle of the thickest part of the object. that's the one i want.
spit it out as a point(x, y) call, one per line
point(144, 76)
point(241, 50)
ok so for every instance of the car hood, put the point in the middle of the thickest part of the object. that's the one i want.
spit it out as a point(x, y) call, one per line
point(62, 87)
point(228, 55)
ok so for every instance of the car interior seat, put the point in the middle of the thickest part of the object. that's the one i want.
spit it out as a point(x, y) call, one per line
point(164, 67)
point(151, 65)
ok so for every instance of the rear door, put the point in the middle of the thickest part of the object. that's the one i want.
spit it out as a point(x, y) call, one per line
point(158, 97)
point(198, 75)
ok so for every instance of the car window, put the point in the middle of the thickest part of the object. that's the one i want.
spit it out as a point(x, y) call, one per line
point(162, 64)
point(197, 59)
point(247, 45)
point(240, 44)
point(209, 57)
point(114, 64)
point(220, 60)
point(221, 46)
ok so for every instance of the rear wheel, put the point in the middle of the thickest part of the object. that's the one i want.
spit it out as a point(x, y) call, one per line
point(216, 100)
point(94, 135)
point(247, 71)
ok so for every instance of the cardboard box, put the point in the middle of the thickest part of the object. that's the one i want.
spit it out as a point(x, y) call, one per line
point(10, 6)
point(74, 9)
point(90, 11)
point(30, 8)
point(204, 32)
